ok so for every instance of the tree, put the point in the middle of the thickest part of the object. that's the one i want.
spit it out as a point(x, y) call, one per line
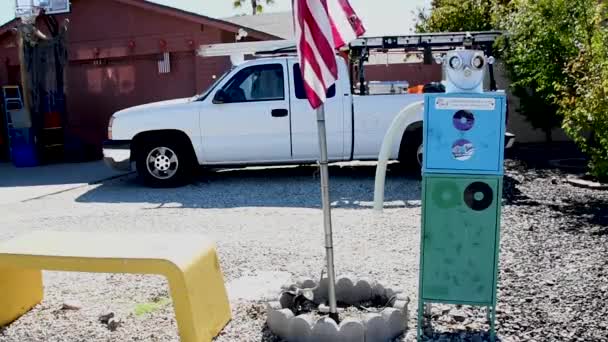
point(456, 16)
point(256, 5)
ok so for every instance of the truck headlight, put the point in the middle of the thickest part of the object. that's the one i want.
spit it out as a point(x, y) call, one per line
point(110, 127)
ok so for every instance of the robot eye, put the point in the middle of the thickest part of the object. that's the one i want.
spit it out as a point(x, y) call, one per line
point(455, 62)
point(478, 62)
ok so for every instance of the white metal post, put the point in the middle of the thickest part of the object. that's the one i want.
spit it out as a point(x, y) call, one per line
point(329, 244)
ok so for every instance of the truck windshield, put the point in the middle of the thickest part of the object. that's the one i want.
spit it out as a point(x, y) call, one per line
point(203, 96)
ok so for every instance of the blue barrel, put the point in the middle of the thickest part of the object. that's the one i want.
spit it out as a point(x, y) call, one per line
point(23, 147)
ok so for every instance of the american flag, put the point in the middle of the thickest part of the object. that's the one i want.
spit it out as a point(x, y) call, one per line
point(321, 27)
point(164, 63)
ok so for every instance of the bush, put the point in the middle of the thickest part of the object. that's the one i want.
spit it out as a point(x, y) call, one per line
point(584, 102)
point(538, 47)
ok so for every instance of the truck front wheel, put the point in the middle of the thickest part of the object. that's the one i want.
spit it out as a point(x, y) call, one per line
point(163, 164)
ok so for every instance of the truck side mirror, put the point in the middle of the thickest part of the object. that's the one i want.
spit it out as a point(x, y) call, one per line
point(220, 97)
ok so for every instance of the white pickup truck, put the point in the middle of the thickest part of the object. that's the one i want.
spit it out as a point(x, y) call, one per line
point(256, 114)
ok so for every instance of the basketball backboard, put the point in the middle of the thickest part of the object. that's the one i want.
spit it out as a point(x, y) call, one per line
point(29, 8)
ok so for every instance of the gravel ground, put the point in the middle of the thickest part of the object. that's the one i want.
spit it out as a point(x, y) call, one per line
point(553, 282)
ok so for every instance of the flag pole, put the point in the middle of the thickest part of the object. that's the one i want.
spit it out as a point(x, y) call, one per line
point(329, 244)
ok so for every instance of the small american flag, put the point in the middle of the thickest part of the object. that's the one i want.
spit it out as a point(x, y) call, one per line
point(321, 27)
point(164, 64)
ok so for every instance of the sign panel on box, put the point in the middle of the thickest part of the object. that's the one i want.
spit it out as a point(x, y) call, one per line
point(460, 103)
point(464, 134)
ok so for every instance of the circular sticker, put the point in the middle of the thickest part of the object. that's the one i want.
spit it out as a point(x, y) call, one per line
point(446, 194)
point(463, 120)
point(462, 149)
point(478, 196)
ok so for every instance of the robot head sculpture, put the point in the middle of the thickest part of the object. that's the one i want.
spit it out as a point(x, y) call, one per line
point(465, 70)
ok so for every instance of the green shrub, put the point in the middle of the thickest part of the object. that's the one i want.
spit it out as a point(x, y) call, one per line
point(584, 101)
point(536, 51)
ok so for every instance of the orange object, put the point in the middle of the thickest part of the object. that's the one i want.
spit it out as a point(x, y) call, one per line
point(418, 89)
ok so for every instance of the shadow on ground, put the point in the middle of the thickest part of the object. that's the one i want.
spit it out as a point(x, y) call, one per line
point(584, 215)
point(296, 186)
point(55, 174)
point(541, 156)
point(513, 195)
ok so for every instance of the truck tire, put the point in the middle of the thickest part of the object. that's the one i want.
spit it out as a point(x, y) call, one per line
point(410, 152)
point(164, 163)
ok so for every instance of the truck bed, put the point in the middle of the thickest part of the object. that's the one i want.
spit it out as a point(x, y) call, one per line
point(373, 115)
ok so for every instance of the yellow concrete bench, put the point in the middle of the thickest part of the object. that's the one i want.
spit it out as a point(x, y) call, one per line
point(188, 261)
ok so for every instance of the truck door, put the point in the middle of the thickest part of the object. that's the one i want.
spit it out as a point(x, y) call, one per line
point(247, 117)
point(305, 141)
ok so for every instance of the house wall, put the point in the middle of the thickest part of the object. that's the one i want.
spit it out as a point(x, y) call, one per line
point(113, 51)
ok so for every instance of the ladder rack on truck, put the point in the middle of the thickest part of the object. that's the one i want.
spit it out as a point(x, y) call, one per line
point(359, 49)
point(436, 41)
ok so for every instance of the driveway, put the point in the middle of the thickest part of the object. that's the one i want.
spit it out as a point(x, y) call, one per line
point(267, 222)
point(23, 184)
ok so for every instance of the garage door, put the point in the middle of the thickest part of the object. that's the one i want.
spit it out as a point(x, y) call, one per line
point(97, 89)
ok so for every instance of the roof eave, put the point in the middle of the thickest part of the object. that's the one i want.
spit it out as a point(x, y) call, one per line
point(224, 25)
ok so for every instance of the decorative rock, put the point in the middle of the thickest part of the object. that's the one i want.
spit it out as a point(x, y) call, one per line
point(395, 321)
point(352, 330)
point(309, 284)
point(286, 300)
point(278, 321)
point(105, 318)
point(325, 330)
point(363, 290)
point(300, 329)
point(344, 291)
point(376, 329)
point(308, 294)
point(458, 315)
point(71, 305)
point(113, 324)
point(321, 292)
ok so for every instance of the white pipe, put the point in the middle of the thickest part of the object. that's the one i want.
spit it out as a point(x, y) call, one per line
point(405, 118)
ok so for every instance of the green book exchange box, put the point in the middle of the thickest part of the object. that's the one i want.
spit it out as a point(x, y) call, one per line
point(462, 180)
